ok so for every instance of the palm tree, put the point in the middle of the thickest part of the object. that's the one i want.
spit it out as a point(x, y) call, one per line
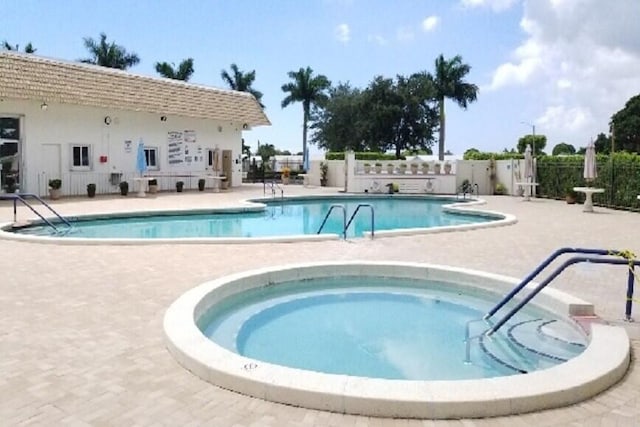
point(449, 83)
point(309, 90)
point(183, 72)
point(27, 49)
point(108, 54)
point(242, 82)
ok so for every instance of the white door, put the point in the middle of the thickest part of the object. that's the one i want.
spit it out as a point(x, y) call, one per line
point(49, 167)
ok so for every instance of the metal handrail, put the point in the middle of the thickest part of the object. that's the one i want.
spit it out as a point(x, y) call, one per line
point(344, 219)
point(21, 197)
point(557, 272)
point(354, 215)
point(539, 269)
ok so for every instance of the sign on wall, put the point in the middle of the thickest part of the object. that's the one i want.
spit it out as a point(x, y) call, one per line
point(182, 148)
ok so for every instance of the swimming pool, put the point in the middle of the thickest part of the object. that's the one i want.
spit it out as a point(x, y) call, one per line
point(269, 218)
point(602, 363)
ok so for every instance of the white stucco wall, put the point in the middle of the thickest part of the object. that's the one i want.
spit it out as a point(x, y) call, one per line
point(66, 125)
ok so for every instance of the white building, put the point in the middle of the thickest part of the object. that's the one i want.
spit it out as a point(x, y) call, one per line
point(82, 124)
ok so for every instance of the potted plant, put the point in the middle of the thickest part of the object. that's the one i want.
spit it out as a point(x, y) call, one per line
point(153, 186)
point(425, 168)
point(378, 167)
point(571, 195)
point(179, 186)
point(10, 184)
point(500, 189)
point(436, 168)
point(91, 190)
point(447, 168)
point(286, 174)
point(324, 171)
point(367, 167)
point(414, 168)
point(390, 168)
point(54, 188)
point(201, 183)
point(124, 188)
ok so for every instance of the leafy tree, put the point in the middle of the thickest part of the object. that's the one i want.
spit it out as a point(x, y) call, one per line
point(108, 54)
point(183, 72)
point(308, 89)
point(27, 49)
point(338, 126)
point(625, 125)
point(563, 148)
point(266, 151)
point(602, 144)
point(242, 82)
point(389, 114)
point(449, 83)
point(537, 142)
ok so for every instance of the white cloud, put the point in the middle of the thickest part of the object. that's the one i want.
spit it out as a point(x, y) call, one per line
point(378, 39)
point(496, 5)
point(430, 23)
point(404, 34)
point(343, 33)
point(580, 58)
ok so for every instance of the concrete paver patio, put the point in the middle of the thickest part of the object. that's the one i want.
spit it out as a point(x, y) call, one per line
point(81, 339)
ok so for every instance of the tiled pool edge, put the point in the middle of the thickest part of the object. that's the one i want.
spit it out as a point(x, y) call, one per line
point(603, 363)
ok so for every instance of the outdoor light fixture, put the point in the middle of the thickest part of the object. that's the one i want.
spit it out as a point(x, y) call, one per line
point(163, 118)
point(44, 106)
point(107, 120)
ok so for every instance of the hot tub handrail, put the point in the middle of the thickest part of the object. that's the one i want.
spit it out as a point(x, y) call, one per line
point(557, 272)
point(539, 269)
point(373, 215)
point(344, 219)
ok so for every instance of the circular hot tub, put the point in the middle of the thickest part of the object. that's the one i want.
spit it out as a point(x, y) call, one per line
point(390, 339)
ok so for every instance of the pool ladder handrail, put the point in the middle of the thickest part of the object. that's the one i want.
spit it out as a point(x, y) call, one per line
point(344, 219)
point(345, 223)
point(274, 185)
point(373, 216)
point(630, 262)
point(22, 198)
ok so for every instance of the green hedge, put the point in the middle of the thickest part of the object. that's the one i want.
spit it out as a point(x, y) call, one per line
point(488, 156)
point(619, 176)
point(367, 155)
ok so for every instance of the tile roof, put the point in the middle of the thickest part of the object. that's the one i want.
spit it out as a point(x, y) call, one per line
point(32, 77)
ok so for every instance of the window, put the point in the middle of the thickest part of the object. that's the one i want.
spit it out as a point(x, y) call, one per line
point(10, 128)
point(151, 155)
point(80, 156)
point(210, 161)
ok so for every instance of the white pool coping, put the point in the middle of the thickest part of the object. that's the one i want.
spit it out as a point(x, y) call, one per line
point(253, 205)
point(602, 364)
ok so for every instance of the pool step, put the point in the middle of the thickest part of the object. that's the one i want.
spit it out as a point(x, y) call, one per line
point(532, 344)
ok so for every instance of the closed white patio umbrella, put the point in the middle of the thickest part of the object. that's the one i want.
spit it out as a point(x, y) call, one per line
point(590, 171)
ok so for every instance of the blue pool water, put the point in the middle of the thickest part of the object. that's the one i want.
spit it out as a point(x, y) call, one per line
point(280, 218)
point(364, 327)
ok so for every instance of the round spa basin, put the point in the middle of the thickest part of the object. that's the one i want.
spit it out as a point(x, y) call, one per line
point(380, 339)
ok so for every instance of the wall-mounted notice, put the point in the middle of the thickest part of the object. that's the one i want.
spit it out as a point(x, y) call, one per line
point(175, 151)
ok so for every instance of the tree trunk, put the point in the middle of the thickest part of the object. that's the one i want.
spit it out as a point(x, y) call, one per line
point(441, 131)
point(304, 134)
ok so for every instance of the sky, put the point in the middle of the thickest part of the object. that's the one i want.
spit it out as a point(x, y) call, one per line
point(563, 66)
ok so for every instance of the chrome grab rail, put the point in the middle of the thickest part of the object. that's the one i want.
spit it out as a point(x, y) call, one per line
point(354, 215)
point(344, 219)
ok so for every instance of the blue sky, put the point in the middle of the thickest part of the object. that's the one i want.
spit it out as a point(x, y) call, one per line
point(564, 66)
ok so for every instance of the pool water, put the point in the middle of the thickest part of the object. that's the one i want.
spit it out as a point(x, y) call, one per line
point(280, 218)
point(413, 330)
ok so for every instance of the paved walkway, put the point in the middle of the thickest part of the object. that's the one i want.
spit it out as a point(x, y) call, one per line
point(81, 339)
